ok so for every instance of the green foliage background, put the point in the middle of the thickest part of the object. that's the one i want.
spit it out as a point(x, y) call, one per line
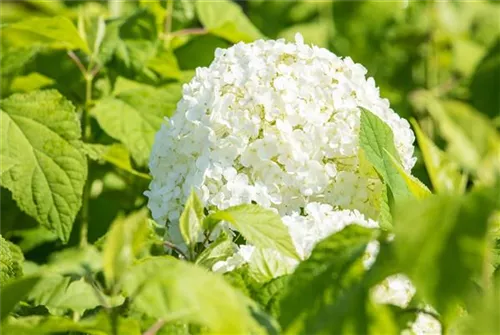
point(86, 84)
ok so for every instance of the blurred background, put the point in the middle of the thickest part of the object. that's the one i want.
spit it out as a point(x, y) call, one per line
point(438, 62)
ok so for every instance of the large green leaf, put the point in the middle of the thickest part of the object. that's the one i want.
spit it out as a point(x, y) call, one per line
point(14, 292)
point(226, 19)
point(326, 294)
point(11, 259)
point(41, 133)
point(486, 81)
point(124, 240)
point(56, 32)
point(134, 115)
point(261, 227)
point(444, 173)
point(164, 287)
point(448, 233)
point(377, 140)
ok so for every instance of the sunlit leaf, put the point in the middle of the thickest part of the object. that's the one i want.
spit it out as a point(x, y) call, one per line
point(41, 130)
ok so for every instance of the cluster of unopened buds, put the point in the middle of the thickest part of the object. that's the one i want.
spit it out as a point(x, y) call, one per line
point(277, 124)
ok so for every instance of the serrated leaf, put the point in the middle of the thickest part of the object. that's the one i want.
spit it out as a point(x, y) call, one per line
point(269, 295)
point(164, 287)
point(449, 235)
point(444, 173)
point(41, 130)
point(227, 20)
point(375, 137)
point(124, 240)
point(133, 116)
point(261, 227)
point(315, 288)
point(14, 292)
point(56, 32)
point(190, 222)
point(11, 259)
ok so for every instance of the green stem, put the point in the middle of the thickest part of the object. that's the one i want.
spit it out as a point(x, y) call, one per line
point(168, 17)
point(87, 136)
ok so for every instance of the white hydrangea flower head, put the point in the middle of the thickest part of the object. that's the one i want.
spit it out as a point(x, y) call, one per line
point(275, 123)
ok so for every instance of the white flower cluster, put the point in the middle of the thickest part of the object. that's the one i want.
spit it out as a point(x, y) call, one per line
point(275, 123)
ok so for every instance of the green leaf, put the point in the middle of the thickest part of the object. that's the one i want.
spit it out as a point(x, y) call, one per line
point(11, 260)
point(164, 287)
point(485, 82)
point(376, 139)
point(475, 148)
point(199, 51)
point(115, 154)
point(190, 222)
point(317, 298)
point(415, 186)
point(165, 65)
point(449, 235)
point(55, 32)
point(14, 292)
point(129, 44)
point(227, 20)
point(219, 250)
point(124, 240)
point(270, 294)
point(41, 130)
point(30, 82)
point(133, 116)
point(266, 264)
point(75, 261)
point(444, 173)
point(261, 227)
point(59, 294)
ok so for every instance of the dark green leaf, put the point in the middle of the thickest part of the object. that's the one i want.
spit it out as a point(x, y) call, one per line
point(448, 233)
point(318, 283)
point(486, 81)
